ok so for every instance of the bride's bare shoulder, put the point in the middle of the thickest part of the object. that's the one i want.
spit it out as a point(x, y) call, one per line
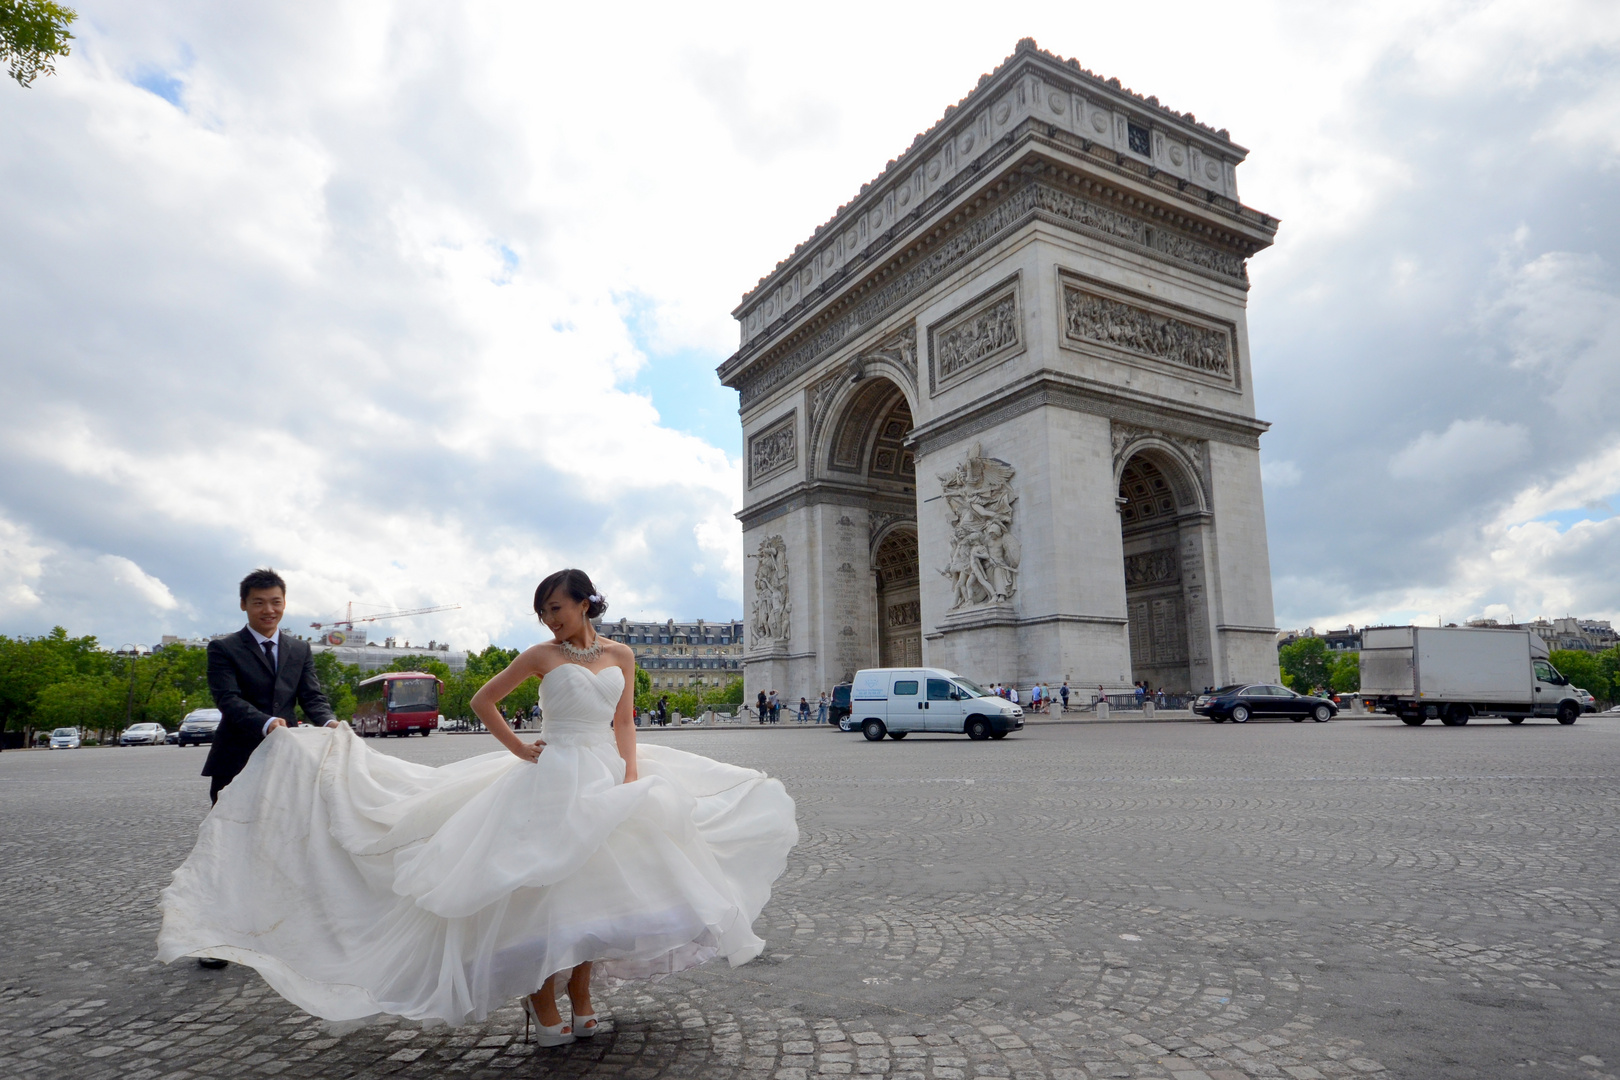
point(540, 658)
point(618, 650)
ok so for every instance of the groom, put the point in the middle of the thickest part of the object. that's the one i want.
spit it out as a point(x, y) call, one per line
point(256, 676)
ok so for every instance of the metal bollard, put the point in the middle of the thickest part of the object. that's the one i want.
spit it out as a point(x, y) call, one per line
point(1147, 709)
point(1102, 709)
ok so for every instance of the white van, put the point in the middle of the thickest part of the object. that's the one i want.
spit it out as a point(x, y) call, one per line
point(897, 701)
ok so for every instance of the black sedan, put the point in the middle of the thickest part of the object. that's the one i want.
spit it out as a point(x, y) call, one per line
point(1238, 703)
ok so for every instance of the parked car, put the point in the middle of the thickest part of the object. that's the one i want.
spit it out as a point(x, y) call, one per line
point(198, 727)
point(1588, 702)
point(1239, 702)
point(838, 711)
point(897, 701)
point(65, 738)
point(143, 735)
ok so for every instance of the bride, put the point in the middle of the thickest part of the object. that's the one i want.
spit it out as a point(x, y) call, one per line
point(357, 883)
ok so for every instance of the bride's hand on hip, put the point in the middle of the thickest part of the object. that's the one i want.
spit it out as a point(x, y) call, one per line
point(530, 752)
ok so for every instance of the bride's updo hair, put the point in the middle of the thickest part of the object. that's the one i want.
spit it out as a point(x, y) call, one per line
point(576, 585)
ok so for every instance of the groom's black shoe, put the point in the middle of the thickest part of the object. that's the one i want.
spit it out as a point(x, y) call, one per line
point(211, 963)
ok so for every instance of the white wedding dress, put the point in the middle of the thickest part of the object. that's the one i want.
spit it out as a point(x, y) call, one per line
point(357, 883)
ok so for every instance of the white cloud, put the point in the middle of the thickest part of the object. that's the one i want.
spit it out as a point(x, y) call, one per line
point(1466, 448)
point(1279, 474)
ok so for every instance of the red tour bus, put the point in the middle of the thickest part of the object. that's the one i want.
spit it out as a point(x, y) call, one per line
point(397, 703)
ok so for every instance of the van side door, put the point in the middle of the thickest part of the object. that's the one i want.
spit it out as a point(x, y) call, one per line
point(1548, 690)
point(906, 703)
point(942, 708)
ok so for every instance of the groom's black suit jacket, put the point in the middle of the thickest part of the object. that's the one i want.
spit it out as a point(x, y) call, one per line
point(248, 693)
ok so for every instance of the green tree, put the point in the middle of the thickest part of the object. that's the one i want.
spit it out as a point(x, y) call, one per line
point(428, 665)
point(33, 33)
point(1305, 664)
point(338, 681)
point(1585, 670)
point(1345, 673)
point(643, 682)
point(29, 665)
point(88, 702)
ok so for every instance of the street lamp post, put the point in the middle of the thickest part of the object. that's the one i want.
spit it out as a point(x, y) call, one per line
point(129, 704)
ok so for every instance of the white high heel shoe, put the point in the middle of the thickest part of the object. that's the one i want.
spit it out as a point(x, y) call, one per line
point(557, 1034)
point(585, 1025)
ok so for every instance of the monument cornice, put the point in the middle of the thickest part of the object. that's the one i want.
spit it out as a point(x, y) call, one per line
point(1079, 394)
point(1031, 90)
point(820, 492)
point(1045, 182)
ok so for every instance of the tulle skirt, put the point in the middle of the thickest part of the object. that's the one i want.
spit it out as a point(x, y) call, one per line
point(357, 883)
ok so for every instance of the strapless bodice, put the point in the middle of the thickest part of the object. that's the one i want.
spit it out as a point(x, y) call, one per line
point(576, 703)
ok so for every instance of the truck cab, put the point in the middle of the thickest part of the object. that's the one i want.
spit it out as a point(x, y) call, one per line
point(898, 701)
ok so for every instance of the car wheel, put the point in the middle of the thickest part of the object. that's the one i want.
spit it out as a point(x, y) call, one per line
point(1297, 719)
point(1414, 721)
point(1323, 714)
point(1568, 712)
point(998, 734)
point(978, 728)
point(1240, 714)
point(898, 735)
point(1218, 719)
point(873, 730)
point(1515, 719)
point(1455, 716)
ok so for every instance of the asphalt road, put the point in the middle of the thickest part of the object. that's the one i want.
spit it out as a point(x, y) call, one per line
point(1106, 900)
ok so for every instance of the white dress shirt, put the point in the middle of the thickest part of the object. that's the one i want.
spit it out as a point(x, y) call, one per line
point(275, 658)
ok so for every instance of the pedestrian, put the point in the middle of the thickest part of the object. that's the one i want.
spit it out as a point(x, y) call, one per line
point(804, 711)
point(775, 706)
point(762, 706)
point(821, 708)
point(1063, 692)
point(1141, 693)
point(1036, 696)
point(663, 710)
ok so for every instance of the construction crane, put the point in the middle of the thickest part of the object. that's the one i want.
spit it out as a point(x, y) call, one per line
point(349, 622)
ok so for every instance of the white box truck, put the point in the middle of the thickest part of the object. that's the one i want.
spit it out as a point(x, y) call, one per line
point(1452, 673)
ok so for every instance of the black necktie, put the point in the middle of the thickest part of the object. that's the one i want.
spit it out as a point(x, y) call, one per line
point(269, 648)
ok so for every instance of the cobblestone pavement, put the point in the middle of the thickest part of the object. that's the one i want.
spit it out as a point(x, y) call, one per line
point(1182, 901)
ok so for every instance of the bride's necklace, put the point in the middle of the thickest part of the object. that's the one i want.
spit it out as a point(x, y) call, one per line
point(584, 656)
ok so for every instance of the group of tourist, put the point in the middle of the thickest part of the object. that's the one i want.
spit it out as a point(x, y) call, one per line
point(770, 708)
point(1039, 696)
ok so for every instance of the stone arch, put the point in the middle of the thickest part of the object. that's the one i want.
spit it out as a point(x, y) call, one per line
point(897, 574)
point(844, 435)
point(1178, 463)
point(1162, 511)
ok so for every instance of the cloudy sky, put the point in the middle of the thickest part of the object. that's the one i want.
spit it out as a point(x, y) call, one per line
point(418, 302)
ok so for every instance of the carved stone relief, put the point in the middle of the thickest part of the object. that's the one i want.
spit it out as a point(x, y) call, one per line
point(773, 450)
point(984, 552)
point(973, 339)
point(906, 613)
point(1152, 568)
point(771, 603)
point(1092, 318)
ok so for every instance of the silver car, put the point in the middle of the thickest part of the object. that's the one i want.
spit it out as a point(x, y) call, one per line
point(144, 735)
point(65, 738)
point(198, 727)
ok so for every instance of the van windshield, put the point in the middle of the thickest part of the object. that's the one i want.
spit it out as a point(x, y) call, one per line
point(972, 688)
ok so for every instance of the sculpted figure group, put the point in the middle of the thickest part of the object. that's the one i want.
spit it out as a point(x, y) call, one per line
point(984, 552)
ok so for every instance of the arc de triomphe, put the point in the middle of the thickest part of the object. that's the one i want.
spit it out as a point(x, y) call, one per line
point(998, 412)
